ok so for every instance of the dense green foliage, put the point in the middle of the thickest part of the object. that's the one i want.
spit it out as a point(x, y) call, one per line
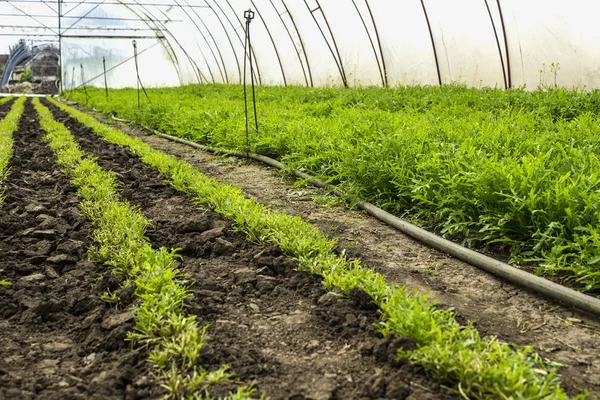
point(8, 126)
point(457, 355)
point(173, 338)
point(515, 168)
point(26, 76)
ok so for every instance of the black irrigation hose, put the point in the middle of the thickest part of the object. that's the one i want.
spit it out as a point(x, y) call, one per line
point(514, 275)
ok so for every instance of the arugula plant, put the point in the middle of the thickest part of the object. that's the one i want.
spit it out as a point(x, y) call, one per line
point(172, 338)
point(8, 126)
point(516, 170)
point(457, 355)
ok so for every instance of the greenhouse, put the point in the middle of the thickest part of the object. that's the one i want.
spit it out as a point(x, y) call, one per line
point(307, 199)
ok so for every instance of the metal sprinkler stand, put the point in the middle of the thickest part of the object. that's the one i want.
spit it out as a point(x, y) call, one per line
point(105, 82)
point(249, 15)
point(137, 73)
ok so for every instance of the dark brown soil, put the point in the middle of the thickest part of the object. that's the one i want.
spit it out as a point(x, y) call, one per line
point(59, 340)
point(271, 324)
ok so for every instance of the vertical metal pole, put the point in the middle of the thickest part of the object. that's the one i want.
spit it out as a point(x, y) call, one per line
point(60, 58)
point(83, 84)
point(244, 82)
point(252, 82)
point(137, 74)
point(239, 37)
point(249, 15)
point(105, 83)
point(72, 81)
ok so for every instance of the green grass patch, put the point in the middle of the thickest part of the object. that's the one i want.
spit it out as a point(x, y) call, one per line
point(456, 355)
point(172, 338)
point(6, 99)
point(8, 126)
point(514, 169)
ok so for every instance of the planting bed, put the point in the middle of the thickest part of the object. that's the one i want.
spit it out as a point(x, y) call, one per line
point(59, 340)
point(511, 172)
point(276, 328)
point(272, 325)
point(501, 309)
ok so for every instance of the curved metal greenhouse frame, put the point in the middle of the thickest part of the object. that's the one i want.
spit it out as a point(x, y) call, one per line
point(501, 43)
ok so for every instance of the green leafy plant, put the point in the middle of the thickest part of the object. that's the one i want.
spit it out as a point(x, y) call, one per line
point(26, 76)
point(457, 355)
point(8, 126)
point(173, 339)
point(516, 170)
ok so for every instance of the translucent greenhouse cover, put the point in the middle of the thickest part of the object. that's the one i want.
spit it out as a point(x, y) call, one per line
point(497, 43)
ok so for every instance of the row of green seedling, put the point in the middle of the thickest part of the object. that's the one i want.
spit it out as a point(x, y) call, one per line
point(8, 126)
point(484, 166)
point(456, 355)
point(172, 338)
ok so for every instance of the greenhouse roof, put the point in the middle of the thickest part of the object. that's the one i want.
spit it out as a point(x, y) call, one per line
point(497, 43)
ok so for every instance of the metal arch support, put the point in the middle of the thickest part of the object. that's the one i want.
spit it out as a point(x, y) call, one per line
point(213, 40)
point(487, 6)
point(337, 62)
point(435, 56)
point(237, 35)
point(207, 43)
point(18, 53)
point(301, 42)
point(385, 71)
point(199, 73)
point(185, 52)
point(337, 50)
point(508, 73)
point(237, 61)
point(381, 74)
point(292, 40)
point(272, 42)
point(242, 26)
point(150, 16)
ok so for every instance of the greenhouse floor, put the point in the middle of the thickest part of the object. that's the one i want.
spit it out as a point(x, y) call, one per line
point(275, 327)
point(496, 308)
point(270, 324)
point(59, 339)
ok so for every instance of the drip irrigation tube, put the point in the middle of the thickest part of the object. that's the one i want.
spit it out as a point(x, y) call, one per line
point(514, 275)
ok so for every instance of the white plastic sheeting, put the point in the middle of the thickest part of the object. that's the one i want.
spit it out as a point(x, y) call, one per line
point(497, 43)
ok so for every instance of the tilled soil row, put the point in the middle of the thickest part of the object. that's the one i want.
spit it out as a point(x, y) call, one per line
point(271, 324)
point(59, 340)
point(5, 108)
